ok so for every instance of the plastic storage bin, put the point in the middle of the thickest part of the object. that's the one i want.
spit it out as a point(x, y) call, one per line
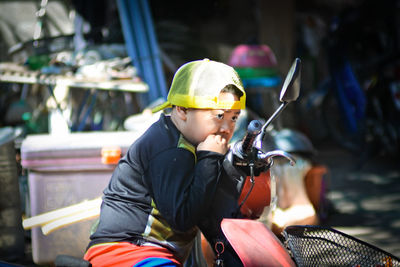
point(66, 170)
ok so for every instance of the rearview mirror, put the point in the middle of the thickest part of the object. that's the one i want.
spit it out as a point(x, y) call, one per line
point(290, 92)
point(291, 87)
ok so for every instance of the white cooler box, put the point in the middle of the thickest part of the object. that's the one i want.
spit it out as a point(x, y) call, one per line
point(66, 170)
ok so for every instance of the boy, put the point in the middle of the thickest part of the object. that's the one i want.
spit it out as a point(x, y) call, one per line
point(165, 184)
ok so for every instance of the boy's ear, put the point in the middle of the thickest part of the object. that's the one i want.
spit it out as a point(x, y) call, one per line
point(181, 112)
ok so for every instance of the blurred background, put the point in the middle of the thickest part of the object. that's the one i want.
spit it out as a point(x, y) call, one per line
point(82, 72)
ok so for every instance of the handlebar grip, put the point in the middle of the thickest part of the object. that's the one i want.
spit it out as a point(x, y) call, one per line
point(253, 129)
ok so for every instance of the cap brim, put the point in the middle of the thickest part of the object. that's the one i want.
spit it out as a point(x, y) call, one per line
point(161, 107)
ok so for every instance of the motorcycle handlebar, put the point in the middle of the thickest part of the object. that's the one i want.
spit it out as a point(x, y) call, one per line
point(267, 157)
point(253, 129)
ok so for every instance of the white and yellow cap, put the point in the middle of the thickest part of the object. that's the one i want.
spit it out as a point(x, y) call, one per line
point(197, 84)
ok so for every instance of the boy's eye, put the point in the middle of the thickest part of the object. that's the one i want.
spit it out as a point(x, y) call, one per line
point(220, 116)
point(235, 118)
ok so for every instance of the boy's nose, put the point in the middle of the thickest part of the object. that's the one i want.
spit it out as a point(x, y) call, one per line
point(225, 127)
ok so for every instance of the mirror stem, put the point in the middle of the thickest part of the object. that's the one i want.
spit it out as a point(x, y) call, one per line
point(260, 137)
point(274, 116)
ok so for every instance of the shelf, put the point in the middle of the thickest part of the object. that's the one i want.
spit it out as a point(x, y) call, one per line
point(13, 73)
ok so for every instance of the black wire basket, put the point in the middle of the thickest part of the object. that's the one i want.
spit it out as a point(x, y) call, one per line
point(312, 245)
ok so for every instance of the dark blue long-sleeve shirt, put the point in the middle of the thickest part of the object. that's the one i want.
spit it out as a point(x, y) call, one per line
point(159, 191)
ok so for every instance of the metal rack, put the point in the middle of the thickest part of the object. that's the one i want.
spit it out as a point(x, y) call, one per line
point(14, 73)
point(18, 74)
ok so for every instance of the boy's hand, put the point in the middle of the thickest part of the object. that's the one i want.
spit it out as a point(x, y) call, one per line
point(215, 143)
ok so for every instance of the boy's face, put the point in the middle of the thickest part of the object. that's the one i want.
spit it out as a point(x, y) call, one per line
point(202, 122)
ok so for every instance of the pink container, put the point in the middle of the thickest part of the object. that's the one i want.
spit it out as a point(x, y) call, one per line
point(252, 56)
point(63, 171)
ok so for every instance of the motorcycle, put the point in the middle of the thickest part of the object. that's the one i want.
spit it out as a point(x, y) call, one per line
point(231, 234)
point(238, 240)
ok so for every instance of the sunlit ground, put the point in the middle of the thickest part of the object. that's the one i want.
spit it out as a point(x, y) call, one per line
point(366, 200)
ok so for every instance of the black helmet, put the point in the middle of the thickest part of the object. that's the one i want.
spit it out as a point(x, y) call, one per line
point(289, 140)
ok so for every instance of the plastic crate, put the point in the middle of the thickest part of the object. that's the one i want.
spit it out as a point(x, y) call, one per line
point(11, 232)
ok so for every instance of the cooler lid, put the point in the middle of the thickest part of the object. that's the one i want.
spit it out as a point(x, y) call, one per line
point(81, 150)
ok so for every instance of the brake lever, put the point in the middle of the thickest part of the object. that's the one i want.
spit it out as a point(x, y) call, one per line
point(268, 156)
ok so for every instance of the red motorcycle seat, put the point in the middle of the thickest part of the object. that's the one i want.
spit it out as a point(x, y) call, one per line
point(255, 244)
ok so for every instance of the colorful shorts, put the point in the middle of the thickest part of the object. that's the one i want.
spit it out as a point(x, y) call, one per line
point(124, 254)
